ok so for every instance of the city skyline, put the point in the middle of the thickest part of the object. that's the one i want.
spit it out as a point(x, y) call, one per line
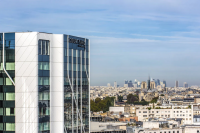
point(180, 84)
point(128, 39)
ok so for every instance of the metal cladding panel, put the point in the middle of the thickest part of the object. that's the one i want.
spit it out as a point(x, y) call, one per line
point(57, 84)
point(26, 82)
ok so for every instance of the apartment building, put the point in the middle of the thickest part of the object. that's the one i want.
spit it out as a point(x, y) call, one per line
point(171, 112)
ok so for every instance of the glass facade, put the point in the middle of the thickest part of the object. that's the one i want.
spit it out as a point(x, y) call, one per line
point(44, 86)
point(7, 89)
point(76, 84)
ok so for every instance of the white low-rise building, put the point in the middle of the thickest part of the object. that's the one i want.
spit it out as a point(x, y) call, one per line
point(174, 112)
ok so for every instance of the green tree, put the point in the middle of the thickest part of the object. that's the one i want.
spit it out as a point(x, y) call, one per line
point(120, 98)
point(154, 100)
point(100, 105)
point(97, 100)
point(132, 98)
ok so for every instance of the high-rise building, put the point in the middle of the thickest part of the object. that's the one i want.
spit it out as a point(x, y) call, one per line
point(185, 85)
point(176, 83)
point(164, 82)
point(158, 82)
point(130, 84)
point(115, 84)
point(155, 82)
point(138, 83)
point(126, 82)
point(44, 83)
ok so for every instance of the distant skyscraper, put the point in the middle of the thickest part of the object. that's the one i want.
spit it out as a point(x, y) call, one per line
point(130, 84)
point(115, 84)
point(185, 85)
point(158, 82)
point(176, 83)
point(164, 82)
point(138, 83)
point(155, 82)
point(108, 84)
point(126, 82)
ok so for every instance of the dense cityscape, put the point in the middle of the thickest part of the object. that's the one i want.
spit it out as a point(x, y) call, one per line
point(104, 66)
point(145, 107)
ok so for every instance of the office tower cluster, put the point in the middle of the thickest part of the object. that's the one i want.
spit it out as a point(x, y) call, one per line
point(149, 84)
point(44, 83)
point(185, 84)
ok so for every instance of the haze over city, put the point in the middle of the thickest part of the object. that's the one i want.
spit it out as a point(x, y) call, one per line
point(129, 39)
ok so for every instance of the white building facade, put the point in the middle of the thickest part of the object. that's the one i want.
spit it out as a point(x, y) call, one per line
point(174, 112)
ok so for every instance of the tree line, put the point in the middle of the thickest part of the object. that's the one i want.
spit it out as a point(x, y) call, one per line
point(101, 105)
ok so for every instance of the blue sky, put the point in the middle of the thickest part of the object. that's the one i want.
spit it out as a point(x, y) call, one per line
point(130, 39)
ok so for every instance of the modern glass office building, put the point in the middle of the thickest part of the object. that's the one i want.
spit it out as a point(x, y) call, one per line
point(44, 83)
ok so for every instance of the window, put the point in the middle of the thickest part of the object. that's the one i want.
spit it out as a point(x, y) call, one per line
point(1, 81)
point(144, 115)
point(177, 131)
point(1, 126)
point(43, 47)
point(139, 111)
point(44, 96)
point(8, 81)
point(10, 96)
point(10, 126)
point(10, 111)
point(65, 52)
point(1, 96)
point(44, 111)
point(43, 66)
point(43, 81)
point(1, 111)
point(44, 126)
point(10, 66)
point(144, 111)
